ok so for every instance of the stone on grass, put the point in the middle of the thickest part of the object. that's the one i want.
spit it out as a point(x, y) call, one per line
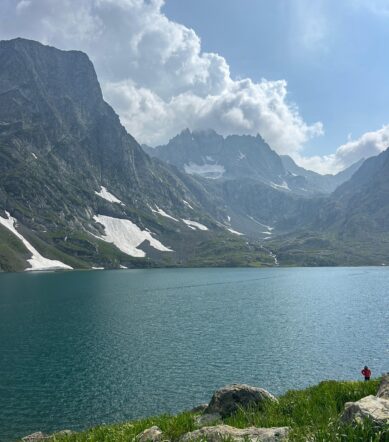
point(35, 437)
point(383, 391)
point(207, 419)
point(229, 399)
point(371, 408)
point(152, 434)
point(220, 433)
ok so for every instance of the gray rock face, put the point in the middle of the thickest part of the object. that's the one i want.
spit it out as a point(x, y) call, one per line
point(229, 399)
point(34, 437)
point(153, 434)
point(199, 409)
point(225, 432)
point(370, 407)
point(383, 391)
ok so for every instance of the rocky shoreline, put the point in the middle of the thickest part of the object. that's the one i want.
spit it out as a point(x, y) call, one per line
point(225, 402)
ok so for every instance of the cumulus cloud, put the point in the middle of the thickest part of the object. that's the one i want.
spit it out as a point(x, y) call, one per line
point(155, 74)
point(367, 145)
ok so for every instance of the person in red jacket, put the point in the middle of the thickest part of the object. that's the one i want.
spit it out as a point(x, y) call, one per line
point(366, 372)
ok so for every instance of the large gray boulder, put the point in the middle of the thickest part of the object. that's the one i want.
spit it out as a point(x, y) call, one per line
point(220, 433)
point(371, 407)
point(229, 399)
point(383, 391)
point(153, 434)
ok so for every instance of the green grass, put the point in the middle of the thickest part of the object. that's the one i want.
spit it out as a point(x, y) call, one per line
point(313, 414)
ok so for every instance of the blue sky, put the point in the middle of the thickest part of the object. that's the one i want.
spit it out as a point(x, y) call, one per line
point(309, 75)
point(333, 54)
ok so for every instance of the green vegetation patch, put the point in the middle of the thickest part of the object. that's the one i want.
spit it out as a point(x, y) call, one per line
point(313, 415)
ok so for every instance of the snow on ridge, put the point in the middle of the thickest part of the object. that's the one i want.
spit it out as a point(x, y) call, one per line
point(234, 232)
point(127, 236)
point(194, 225)
point(187, 204)
point(211, 171)
point(163, 213)
point(283, 186)
point(108, 196)
point(37, 261)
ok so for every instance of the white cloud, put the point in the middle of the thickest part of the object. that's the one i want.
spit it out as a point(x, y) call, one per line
point(155, 74)
point(367, 145)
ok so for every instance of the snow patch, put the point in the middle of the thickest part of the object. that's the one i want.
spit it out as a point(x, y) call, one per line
point(108, 196)
point(194, 225)
point(123, 267)
point(241, 156)
point(37, 261)
point(97, 268)
point(187, 204)
point(163, 213)
point(283, 186)
point(211, 171)
point(127, 236)
point(32, 153)
point(235, 232)
point(261, 224)
point(208, 158)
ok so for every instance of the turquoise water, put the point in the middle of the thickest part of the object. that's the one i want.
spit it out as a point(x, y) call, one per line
point(82, 348)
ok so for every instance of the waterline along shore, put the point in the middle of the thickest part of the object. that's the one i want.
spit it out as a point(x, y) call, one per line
point(330, 411)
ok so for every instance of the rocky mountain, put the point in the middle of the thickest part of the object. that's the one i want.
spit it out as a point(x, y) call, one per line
point(209, 155)
point(319, 183)
point(262, 193)
point(349, 227)
point(76, 190)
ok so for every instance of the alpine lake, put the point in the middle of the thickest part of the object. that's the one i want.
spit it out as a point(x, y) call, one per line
point(83, 348)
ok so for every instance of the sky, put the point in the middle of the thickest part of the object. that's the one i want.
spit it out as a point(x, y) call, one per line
point(310, 76)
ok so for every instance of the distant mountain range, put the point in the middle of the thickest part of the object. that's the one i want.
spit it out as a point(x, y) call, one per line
point(209, 155)
point(77, 191)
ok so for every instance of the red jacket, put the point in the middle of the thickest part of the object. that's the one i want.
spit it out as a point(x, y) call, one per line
point(366, 372)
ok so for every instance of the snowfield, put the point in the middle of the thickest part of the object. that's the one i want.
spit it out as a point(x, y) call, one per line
point(211, 171)
point(108, 196)
point(163, 213)
point(194, 225)
point(127, 236)
point(37, 261)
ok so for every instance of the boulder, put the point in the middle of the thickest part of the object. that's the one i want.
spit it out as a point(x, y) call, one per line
point(152, 434)
point(34, 437)
point(383, 391)
point(199, 409)
point(208, 419)
point(229, 399)
point(220, 433)
point(370, 407)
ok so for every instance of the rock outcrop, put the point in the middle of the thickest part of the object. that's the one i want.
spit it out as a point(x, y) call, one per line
point(383, 391)
point(35, 437)
point(229, 399)
point(152, 434)
point(371, 408)
point(221, 433)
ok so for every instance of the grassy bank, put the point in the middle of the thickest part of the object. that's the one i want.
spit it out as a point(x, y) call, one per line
point(311, 413)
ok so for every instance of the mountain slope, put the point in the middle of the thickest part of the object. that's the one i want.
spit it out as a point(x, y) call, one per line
point(79, 188)
point(350, 227)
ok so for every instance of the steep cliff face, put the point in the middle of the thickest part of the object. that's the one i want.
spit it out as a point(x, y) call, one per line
point(66, 162)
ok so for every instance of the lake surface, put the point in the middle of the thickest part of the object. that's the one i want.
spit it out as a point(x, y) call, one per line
point(83, 348)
